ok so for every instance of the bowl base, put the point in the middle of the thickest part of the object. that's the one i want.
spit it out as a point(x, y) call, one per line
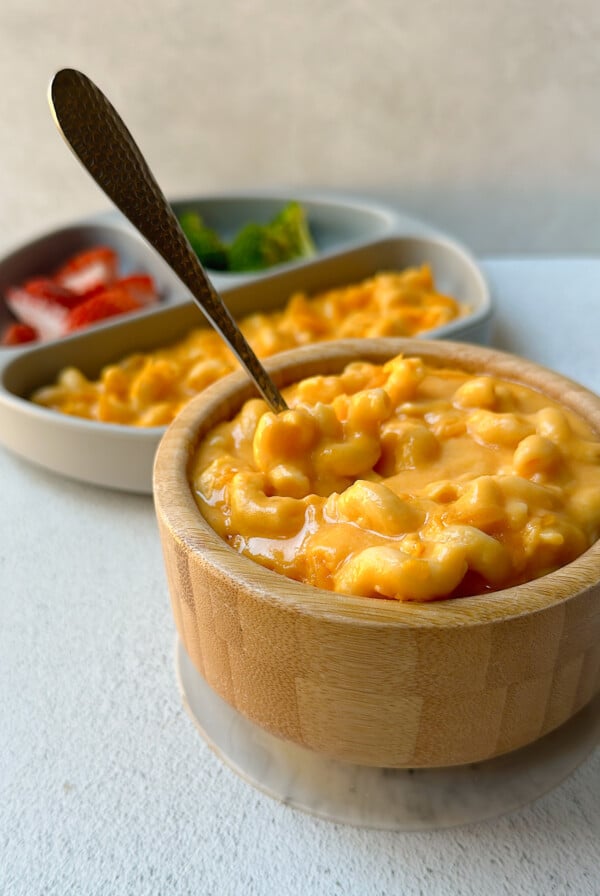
point(383, 798)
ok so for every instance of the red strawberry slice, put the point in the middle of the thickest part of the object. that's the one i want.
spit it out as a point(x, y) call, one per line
point(44, 288)
point(42, 305)
point(17, 334)
point(89, 269)
point(94, 291)
point(99, 307)
point(140, 287)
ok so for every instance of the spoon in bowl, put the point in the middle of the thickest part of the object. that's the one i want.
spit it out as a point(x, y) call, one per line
point(102, 143)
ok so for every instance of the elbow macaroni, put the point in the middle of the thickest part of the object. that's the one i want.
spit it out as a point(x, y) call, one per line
point(150, 389)
point(404, 481)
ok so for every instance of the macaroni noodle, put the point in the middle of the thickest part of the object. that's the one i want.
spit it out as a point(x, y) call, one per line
point(404, 481)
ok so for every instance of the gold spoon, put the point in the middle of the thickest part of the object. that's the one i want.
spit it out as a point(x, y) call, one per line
point(98, 137)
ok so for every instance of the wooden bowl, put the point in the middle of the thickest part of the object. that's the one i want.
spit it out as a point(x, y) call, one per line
point(372, 681)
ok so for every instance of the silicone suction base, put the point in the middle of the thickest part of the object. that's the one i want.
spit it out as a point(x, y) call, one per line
point(392, 799)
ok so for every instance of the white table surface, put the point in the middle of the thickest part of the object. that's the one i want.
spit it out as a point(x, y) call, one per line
point(105, 784)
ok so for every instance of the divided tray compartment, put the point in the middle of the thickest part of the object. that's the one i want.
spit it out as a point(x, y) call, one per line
point(43, 256)
point(121, 457)
point(334, 224)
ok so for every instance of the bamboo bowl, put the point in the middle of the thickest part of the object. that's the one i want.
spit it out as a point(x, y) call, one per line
point(369, 681)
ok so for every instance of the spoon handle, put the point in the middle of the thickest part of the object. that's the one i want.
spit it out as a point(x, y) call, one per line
point(102, 143)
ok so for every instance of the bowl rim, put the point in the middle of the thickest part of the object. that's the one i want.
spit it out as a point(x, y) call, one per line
point(177, 510)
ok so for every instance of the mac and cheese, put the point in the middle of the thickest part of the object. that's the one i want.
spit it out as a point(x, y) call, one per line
point(149, 389)
point(404, 481)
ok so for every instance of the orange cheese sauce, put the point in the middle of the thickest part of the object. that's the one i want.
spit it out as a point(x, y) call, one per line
point(149, 389)
point(404, 481)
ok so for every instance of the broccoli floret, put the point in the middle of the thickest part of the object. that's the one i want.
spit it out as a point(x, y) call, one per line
point(254, 249)
point(260, 246)
point(206, 243)
point(291, 227)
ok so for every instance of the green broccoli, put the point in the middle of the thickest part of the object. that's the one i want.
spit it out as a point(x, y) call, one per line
point(292, 228)
point(206, 243)
point(260, 246)
point(254, 249)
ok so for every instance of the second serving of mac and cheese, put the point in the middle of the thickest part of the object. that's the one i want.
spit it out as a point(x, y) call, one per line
point(404, 481)
point(150, 388)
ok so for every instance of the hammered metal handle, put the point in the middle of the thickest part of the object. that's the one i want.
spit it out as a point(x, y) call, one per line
point(102, 143)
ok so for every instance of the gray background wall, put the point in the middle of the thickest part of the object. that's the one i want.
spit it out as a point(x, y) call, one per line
point(482, 117)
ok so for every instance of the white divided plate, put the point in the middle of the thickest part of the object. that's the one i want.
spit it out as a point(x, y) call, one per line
point(122, 456)
point(334, 224)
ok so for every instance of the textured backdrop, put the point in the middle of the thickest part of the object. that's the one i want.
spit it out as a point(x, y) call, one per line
point(481, 117)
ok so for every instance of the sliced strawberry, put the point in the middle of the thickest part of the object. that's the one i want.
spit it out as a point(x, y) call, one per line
point(42, 305)
point(141, 287)
point(88, 269)
point(44, 288)
point(99, 307)
point(17, 334)
point(94, 291)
